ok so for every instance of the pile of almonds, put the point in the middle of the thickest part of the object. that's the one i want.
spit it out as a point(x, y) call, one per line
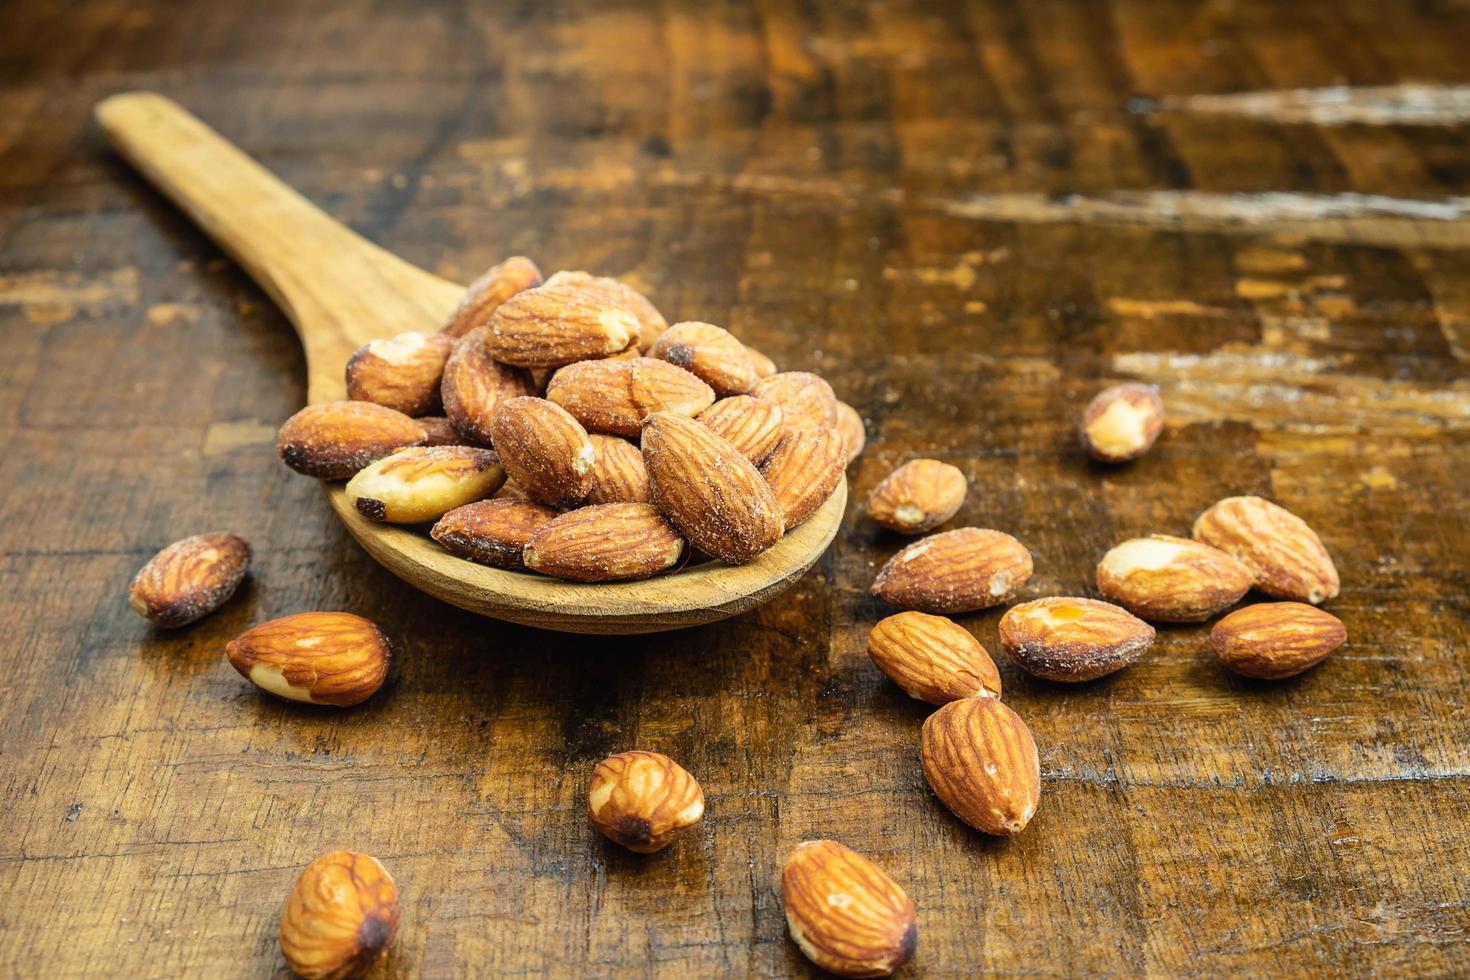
point(531, 467)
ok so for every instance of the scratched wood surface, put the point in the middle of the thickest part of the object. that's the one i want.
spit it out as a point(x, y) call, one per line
point(968, 217)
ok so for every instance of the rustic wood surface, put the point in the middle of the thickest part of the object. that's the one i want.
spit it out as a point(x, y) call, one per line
point(968, 217)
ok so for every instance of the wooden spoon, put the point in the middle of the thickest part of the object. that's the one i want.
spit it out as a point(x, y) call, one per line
point(341, 291)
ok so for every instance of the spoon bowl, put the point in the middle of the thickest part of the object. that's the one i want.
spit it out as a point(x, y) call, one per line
point(340, 291)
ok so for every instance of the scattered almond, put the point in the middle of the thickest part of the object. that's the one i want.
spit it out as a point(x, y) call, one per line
point(340, 918)
point(955, 571)
point(475, 385)
point(559, 323)
point(1071, 639)
point(516, 274)
point(804, 469)
point(1273, 640)
point(850, 424)
point(805, 398)
point(643, 800)
point(764, 366)
point(1283, 553)
point(651, 322)
point(604, 543)
point(708, 352)
point(749, 424)
point(614, 396)
point(189, 579)
point(618, 473)
point(846, 915)
point(1122, 422)
point(981, 761)
point(918, 496)
point(317, 657)
point(544, 450)
point(333, 440)
point(401, 372)
point(932, 658)
point(423, 483)
point(491, 532)
point(1172, 580)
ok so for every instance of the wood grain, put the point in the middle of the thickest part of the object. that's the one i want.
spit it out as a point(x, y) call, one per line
point(969, 218)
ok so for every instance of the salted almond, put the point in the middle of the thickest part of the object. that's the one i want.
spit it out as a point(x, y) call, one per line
point(932, 658)
point(550, 326)
point(1122, 422)
point(475, 385)
point(333, 440)
point(1286, 557)
point(424, 483)
point(491, 532)
point(708, 352)
point(544, 450)
point(1071, 639)
point(805, 398)
point(317, 657)
point(918, 496)
point(1171, 580)
point(516, 274)
point(712, 494)
point(341, 917)
point(804, 469)
point(401, 372)
point(844, 913)
point(850, 425)
point(1273, 640)
point(751, 425)
point(618, 473)
point(643, 800)
point(189, 579)
point(981, 761)
point(615, 395)
point(764, 366)
point(605, 543)
point(651, 322)
point(955, 571)
point(439, 431)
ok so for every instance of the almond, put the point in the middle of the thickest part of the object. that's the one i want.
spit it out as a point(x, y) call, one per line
point(475, 385)
point(846, 915)
point(651, 322)
point(918, 496)
point(1070, 639)
point(932, 658)
point(615, 395)
point(1122, 422)
point(1273, 640)
point(317, 657)
point(333, 440)
point(1172, 580)
point(516, 274)
point(559, 323)
point(544, 450)
point(440, 431)
point(1283, 553)
point(751, 425)
point(712, 494)
point(708, 352)
point(764, 366)
point(491, 532)
point(424, 483)
point(643, 800)
point(981, 761)
point(401, 372)
point(618, 473)
point(850, 425)
point(805, 399)
point(955, 571)
point(189, 579)
point(804, 470)
point(341, 917)
point(605, 543)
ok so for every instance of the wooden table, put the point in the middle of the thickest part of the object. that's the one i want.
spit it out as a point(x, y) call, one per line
point(969, 218)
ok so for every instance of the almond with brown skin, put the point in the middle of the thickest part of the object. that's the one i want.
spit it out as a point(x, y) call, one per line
point(491, 532)
point(557, 324)
point(189, 579)
point(615, 395)
point(805, 399)
point(1122, 422)
point(932, 658)
point(333, 440)
point(1273, 640)
point(605, 543)
point(341, 917)
point(424, 483)
point(918, 496)
point(981, 761)
point(715, 496)
point(763, 365)
point(544, 450)
point(751, 425)
point(643, 800)
point(850, 425)
point(516, 274)
point(846, 915)
point(804, 469)
point(1171, 580)
point(1071, 639)
point(440, 431)
point(401, 372)
point(618, 473)
point(651, 322)
point(475, 385)
point(708, 352)
point(316, 657)
point(956, 571)
point(1286, 557)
